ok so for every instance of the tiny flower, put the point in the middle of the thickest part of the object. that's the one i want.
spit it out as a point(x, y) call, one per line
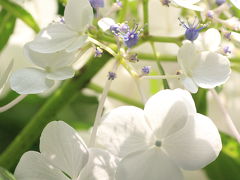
point(111, 75)
point(98, 52)
point(155, 143)
point(68, 36)
point(192, 30)
point(64, 156)
point(146, 70)
point(97, 3)
point(119, 3)
point(52, 67)
point(228, 35)
point(131, 38)
point(220, 2)
point(202, 69)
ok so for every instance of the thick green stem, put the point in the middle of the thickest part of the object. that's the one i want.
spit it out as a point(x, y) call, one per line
point(145, 17)
point(116, 96)
point(30, 134)
point(176, 40)
point(151, 57)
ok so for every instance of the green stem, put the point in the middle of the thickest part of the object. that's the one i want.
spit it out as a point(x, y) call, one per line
point(116, 96)
point(30, 134)
point(123, 11)
point(145, 17)
point(176, 40)
point(151, 57)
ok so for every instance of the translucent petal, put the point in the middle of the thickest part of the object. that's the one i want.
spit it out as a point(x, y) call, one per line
point(77, 43)
point(167, 110)
point(78, 14)
point(101, 166)
point(61, 73)
point(211, 39)
point(236, 3)
point(49, 60)
point(55, 37)
point(61, 145)
point(212, 70)
point(188, 57)
point(32, 166)
point(188, 5)
point(106, 23)
point(189, 84)
point(124, 130)
point(151, 164)
point(196, 145)
point(30, 81)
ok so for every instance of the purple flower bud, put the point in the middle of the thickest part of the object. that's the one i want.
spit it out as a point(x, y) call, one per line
point(115, 29)
point(111, 75)
point(192, 30)
point(146, 69)
point(220, 2)
point(98, 52)
point(97, 3)
point(227, 50)
point(228, 35)
point(165, 2)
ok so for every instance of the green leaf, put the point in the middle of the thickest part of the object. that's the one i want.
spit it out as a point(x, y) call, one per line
point(5, 175)
point(227, 166)
point(20, 13)
point(7, 24)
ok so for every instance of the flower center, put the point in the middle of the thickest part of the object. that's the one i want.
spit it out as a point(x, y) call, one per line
point(158, 143)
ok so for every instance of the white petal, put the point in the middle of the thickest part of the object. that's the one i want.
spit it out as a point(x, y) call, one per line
point(188, 56)
point(152, 164)
point(189, 84)
point(101, 166)
point(212, 70)
point(236, 3)
point(55, 37)
point(78, 14)
point(30, 81)
point(61, 145)
point(167, 110)
point(32, 166)
point(61, 74)
point(77, 43)
point(188, 5)
point(212, 39)
point(106, 23)
point(6, 73)
point(124, 130)
point(196, 145)
point(49, 60)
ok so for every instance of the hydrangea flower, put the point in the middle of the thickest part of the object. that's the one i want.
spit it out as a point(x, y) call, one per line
point(52, 67)
point(69, 35)
point(156, 142)
point(64, 156)
point(202, 69)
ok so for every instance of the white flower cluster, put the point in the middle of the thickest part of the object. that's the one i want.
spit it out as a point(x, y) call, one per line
point(154, 143)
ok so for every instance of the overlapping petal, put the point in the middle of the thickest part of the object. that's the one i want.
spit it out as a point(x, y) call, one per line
point(61, 145)
point(189, 84)
point(161, 110)
point(101, 165)
point(49, 60)
point(106, 23)
point(61, 73)
point(196, 145)
point(124, 130)
point(78, 14)
point(212, 70)
point(30, 81)
point(32, 166)
point(188, 5)
point(152, 164)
